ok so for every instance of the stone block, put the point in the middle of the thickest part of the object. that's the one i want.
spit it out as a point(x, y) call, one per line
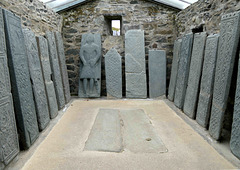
point(157, 73)
point(195, 73)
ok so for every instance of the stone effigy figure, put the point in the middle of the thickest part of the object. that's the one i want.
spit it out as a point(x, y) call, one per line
point(90, 68)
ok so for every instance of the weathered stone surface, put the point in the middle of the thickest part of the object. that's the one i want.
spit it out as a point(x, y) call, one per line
point(228, 42)
point(206, 87)
point(63, 67)
point(157, 73)
point(8, 133)
point(183, 70)
point(194, 74)
point(173, 79)
point(20, 78)
point(36, 76)
point(46, 69)
point(56, 74)
point(136, 86)
point(113, 68)
point(90, 66)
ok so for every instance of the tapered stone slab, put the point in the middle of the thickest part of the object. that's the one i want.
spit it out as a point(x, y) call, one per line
point(113, 68)
point(40, 97)
point(47, 73)
point(20, 78)
point(90, 66)
point(206, 87)
point(56, 73)
point(183, 70)
point(136, 86)
point(63, 67)
point(174, 70)
point(228, 42)
point(157, 73)
point(195, 72)
point(8, 133)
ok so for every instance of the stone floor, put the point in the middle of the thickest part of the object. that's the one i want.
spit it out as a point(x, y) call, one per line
point(144, 134)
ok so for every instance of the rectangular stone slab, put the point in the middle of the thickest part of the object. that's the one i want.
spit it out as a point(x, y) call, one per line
point(113, 69)
point(63, 67)
point(228, 42)
point(8, 136)
point(56, 73)
point(47, 73)
point(135, 69)
point(106, 132)
point(157, 73)
point(40, 97)
point(20, 78)
point(207, 80)
point(183, 70)
point(194, 74)
point(174, 70)
point(92, 67)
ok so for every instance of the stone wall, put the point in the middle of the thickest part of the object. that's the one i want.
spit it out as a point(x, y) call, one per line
point(157, 20)
point(35, 15)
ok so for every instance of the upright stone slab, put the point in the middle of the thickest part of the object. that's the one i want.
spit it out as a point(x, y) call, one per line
point(194, 74)
point(235, 135)
point(228, 42)
point(20, 78)
point(63, 67)
point(183, 70)
point(8, 133)
point(208, 73)
point(113, 68)
point(47, 73)
point(56, 73)
point(90, 66)
point(174, 70)
point(135, 71)
point(37, 79)
point(157, 73)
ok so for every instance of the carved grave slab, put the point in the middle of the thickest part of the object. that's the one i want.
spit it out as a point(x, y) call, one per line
point(183, 70)
point(207, 80)
point(90, 66)
point(20, 78)
point(63, 67)
point(9, 147)
point(136, 86)
point(174, 70)
point(228, 42)
point(47, 73)
point(36, 76)
point(113, 68)
point(157, 73)
point(56, 73)
point(194, 74)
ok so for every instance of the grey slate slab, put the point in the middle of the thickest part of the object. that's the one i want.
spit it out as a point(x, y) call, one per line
point(56, 73)
point(235, 134)
point(113, 69)
point(90, 66)
point(183, 70)
point(207, 80)
point(40, 97)
point(195, 72)
point(20, 78)
point(157, 73)
point(174, 70)
point(63, 67)
point(228, 42)
point(47, 72)
point(8, 135)
point(135, 69)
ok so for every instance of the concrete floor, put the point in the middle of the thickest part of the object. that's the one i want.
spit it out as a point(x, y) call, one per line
point(63, 147)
